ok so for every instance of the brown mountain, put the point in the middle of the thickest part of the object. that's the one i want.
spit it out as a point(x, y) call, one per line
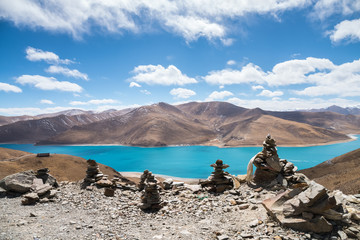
point(212, 123)
point(44, 126)
point(156, 125)
point(338, 173)
point(346, 124)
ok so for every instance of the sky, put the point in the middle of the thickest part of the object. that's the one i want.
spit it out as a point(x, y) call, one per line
point(97, 55)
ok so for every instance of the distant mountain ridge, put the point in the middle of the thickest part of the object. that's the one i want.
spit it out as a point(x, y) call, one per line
point(337, 109)
point(195, 123)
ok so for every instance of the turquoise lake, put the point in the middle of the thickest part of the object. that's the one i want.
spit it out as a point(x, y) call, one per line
point(189, 161)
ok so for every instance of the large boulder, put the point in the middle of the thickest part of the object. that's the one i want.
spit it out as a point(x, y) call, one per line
point(18, 182)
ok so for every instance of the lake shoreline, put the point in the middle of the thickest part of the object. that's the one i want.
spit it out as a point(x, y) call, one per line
point(351, 138)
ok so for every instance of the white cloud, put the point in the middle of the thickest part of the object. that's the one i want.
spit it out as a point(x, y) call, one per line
point(249, 73)
point(191, 19)
point(346, 30)
point(146, 92)
point(67, 72)
point(182, 92)
point(34, 55)
point(231, 62)
point(218, 95)
point(325, 8)
point(134, 84)
point(268, 93)
point(297, 71)
point(257, 87)
point(323, 76)
point(9, 88)
point(93, 102)
point(191, 28)
point(48, 83)
point(46, 101)
point(292, 104)
point(158, 75)
point(343, 80)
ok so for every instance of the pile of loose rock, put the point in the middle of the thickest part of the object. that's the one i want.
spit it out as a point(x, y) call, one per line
point(93, 173)
point(34, 187)
point(303, 205)
point(150, 199)
point(218, 181)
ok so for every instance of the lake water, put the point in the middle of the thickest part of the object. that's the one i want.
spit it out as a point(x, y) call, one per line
point(190, 161)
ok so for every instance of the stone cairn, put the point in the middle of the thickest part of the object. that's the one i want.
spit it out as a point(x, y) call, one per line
point(93, 173)
point(270, 169)
point(150, 199)
point(143, 178)
point(303, 204)
point(218, 181)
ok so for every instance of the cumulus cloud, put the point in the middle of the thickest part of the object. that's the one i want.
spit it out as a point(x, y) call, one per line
point(249, 73)
point(158, 75)
point(191, 19)
point(268, 93)
point(9, 88)
point(146, 92)
point(48, 83)
point(33, 54)
point(231, 62)
point(292, 103)
point(218, 95)
point(346, 30)
point(182, 92)
point(93, 102)
point(323, 76)
point(67, 72)
point(134, 84)
point(325, 8)
point(257, 87)
point(46, 101)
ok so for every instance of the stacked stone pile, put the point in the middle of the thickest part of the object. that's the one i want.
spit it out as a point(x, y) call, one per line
point(218, 181)
point(93, 173)
point(34, 187)
point(271, 171)
point(303, 205)
point(150, 199)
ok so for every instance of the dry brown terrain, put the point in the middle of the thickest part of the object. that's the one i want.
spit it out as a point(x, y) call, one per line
point(62, 167)
point(342, 172)
point(212, 123)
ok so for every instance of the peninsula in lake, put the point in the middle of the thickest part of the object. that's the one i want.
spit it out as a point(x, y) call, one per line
point(195, 123)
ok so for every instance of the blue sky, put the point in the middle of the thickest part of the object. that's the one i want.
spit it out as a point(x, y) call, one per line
point(97, 55)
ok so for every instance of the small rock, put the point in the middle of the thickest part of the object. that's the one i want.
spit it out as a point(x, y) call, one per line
point(246, 235)
point(33, 214)
point(244, 206)
point(253, 223)
point(233, 202)
point(342, 235)
point(222, 237)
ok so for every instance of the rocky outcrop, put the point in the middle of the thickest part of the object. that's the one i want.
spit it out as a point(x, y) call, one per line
point(218, 181)
point(35, 187)
point(18, 182)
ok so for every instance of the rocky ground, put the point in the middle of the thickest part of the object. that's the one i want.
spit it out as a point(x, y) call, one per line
point(88, 214)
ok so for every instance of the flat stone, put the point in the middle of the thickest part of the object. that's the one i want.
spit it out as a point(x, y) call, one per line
point(18, 182)
point(222, 237)
point(254, 223)
point(243, 206)
point(30, 198)
point(316, 225)
point(342, 235)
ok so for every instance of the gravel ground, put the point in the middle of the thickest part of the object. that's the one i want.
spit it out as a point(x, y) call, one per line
point(88, 214)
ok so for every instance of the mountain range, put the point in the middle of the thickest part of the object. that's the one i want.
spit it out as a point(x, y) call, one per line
point(195, 123)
